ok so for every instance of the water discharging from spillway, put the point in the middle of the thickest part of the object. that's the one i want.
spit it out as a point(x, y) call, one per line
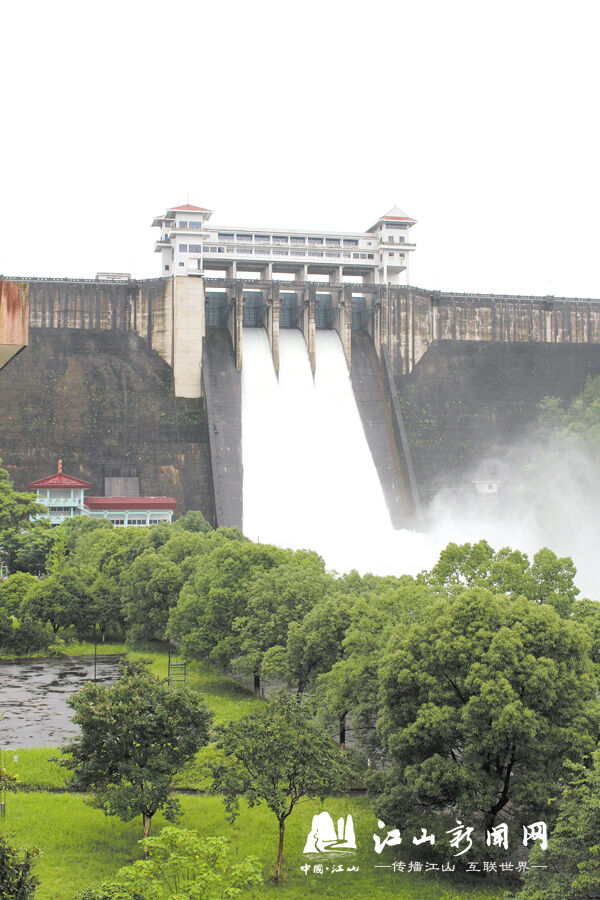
point(309, 478)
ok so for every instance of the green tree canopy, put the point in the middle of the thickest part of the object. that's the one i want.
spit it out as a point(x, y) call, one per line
point(548, 579)
point(28, 549)
point(193, 520)
point(314, 644)
point(62, 599)
point(580, 420)
point(151, 587)
point(215, 595)
point(276, 598)
point(14, 589)
point(135, 736)
point(17, 509)
point(573, 854)
point(378, 607)
point(482, 703)
point(180, 865)
point(278, 756)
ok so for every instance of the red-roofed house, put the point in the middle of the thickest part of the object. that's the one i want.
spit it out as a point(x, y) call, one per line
point(63, 495)
point(126, 511)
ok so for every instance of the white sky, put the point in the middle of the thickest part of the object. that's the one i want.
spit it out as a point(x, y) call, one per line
point(479, 119)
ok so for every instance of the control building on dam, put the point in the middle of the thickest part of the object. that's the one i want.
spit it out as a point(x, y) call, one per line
point(142, 378)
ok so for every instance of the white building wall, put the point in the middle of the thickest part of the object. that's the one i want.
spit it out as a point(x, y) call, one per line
point(271, 251)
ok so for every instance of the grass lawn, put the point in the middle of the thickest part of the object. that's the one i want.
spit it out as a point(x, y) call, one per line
point(226, 697)
point(81, 846)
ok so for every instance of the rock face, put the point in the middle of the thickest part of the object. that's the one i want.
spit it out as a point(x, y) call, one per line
point(104, 402)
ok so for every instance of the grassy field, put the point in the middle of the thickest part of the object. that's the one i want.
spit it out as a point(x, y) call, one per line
point(226, 697)
point(81, 846)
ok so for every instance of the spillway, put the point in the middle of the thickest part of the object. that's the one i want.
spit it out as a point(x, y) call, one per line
point(309, 478)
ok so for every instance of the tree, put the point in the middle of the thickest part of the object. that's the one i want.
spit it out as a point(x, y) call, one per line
point(275, 599)
point(183, 866)
point(21, 636)
point(548, 579)
point(351, 686)
point(14, 589)
point(481, 705)
point(27, 550)
point(135, 736)
point(588, 613)
point(313, 646)
point(579, 421)
point(16, 511)
point(16, 507)
point(193, 520)
point(277, 755)
point(105, 603)
point(215, 596)
point(62, 599)
point(151, 587)
point(314, 643)
point(70, 531)
point(17, 881)
point(573, 854)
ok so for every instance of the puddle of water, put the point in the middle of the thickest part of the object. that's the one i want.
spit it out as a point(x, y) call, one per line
point(34, 694)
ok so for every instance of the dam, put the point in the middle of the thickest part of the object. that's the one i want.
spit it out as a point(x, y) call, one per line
point(144, 378)
point(303, 445)
point(154, 378)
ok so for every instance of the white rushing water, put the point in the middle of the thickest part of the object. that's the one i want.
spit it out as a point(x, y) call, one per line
point(309, 478)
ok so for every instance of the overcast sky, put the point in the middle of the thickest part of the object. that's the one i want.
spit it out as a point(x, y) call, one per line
point(479, 119)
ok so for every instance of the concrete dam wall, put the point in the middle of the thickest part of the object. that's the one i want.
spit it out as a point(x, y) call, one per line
point(126, 378)
point(95, 386)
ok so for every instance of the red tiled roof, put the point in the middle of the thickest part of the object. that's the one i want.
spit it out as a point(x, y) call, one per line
point(397, 218)
point(188, 206)
point(59, 481)
point(123, 503)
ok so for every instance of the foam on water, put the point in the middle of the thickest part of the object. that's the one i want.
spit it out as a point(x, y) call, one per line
point(309, 478)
